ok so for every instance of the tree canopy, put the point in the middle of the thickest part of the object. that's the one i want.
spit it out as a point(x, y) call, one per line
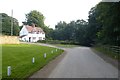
point(35, 17)
point(73, 31)
point(103, 27)
point(6, 25)
point(104, 19)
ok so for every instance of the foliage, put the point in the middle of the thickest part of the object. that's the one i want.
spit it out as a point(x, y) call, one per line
point(35, 17)
point(19, 57)
point(57, 42)
point(70, 32)
point(104, 20)
point(6, 25)
point(66, 45)
point(106, 49)
point(102, 27)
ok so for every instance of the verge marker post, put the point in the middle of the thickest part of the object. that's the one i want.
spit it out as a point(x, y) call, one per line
point(44, 55)
point(8, 70)
point(56, 50)
point(33, 60)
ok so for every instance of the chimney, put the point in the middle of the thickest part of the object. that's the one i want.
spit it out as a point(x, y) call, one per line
point(33, 25)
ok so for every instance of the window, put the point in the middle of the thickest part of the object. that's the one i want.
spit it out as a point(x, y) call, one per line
point(40, 38)
point(38, 32)
point(34, 37)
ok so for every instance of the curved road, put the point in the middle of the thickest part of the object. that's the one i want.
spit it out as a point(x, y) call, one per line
point(79, 62)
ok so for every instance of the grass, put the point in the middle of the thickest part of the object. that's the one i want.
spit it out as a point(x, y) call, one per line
point(65, 45)
point(107, 52)
point(19, 57)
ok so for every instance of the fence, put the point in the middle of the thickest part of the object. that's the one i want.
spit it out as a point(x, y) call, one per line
point(114, 49)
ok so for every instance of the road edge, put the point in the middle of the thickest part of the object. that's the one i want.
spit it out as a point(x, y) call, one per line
point(106, 58)
point(47, 69)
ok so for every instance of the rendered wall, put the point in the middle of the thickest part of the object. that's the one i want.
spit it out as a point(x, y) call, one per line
point(9, 40)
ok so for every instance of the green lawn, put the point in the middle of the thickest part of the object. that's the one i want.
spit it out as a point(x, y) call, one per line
point(19, 57)
point(65, 45)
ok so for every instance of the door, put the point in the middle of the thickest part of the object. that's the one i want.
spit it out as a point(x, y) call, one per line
point(29, 39)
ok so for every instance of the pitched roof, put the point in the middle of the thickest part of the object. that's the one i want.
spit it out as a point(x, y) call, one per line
point(34, 29)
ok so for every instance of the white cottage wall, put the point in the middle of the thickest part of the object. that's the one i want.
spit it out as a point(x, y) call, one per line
point(31, 37)
point(23, 31)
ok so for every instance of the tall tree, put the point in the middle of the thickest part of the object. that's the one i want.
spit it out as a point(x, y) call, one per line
point(6, 25)
point(73, 32)
point(35, 17)
point(104, 23)
point(93, 26)
point(109, 17)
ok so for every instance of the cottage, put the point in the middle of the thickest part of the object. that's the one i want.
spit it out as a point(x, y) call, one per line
point(31, 33)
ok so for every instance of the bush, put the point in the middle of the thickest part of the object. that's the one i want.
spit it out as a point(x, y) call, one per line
point(57, 42)
point(41, 41)
point(49, 41)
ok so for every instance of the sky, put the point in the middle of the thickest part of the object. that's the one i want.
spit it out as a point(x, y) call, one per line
point(53, 10)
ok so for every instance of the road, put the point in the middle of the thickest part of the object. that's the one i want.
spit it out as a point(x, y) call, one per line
point(79, 62)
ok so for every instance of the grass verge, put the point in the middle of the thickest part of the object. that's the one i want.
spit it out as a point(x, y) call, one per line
point(19, 57)
point(107, 52)
point(65, 45)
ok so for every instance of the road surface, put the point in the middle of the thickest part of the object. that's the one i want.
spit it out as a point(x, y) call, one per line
point(79, 62)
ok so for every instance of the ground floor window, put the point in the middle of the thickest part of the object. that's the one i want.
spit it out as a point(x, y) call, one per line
point(34, 37)
point(40, 38)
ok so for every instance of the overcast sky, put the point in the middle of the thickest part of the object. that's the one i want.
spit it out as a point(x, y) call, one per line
point(53, 10)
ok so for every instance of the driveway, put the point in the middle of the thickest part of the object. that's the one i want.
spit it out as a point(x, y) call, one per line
point(77, 62)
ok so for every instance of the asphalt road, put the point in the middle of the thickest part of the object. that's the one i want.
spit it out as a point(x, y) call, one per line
point(79, 62)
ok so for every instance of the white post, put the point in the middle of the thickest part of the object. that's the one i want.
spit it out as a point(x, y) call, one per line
point(9, 70)
point(56, 50)
point(33, 60)
point(44, 55)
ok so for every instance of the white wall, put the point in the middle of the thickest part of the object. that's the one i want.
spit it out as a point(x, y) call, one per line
point(37, 36)
point(23, 31)
point(33, 35)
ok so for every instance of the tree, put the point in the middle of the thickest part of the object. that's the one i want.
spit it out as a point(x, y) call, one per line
point(35, 17)
point(103, 27)
point(104, 23)
point(80, 32)
point(60, 25)
point(93, 26)
point(72, 32)
point(6, 25)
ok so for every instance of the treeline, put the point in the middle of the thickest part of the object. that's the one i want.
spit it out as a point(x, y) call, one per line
point(6, 25)
point(37, 18)
point(74, 32)
point(104, 21)
point(103, 27)
point(33, 16)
